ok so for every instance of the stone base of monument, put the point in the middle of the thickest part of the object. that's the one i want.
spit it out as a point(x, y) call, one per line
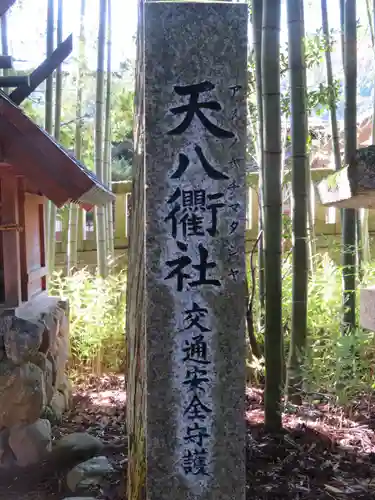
point(367, 308)
point(34, 347)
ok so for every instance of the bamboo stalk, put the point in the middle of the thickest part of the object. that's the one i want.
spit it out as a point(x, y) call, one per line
point(58, 103)
point(363, 212)
point(300, 186)
point(272, 204)
point(48, 117)
point(329, 72)
point(349, 215)
point(100, 211)
point(72, 246)
point(257, 14)
point(107, 135)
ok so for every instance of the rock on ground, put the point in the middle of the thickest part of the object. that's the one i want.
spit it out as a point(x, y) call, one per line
point(75, 448)
point(79, 498)
point(99, 410)
point(58, 405)
point(23, 339)
point(88, 473)
point(29, 443)
point(22, 393)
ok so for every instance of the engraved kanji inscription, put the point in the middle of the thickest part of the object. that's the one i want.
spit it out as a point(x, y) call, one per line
point(183, 163)
point(194, 108)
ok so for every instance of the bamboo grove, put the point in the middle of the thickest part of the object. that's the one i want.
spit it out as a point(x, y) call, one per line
point(276, 118)
point(286, 378)
point(102, 149)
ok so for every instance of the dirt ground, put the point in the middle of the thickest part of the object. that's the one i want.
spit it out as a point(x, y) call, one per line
point(322, 453)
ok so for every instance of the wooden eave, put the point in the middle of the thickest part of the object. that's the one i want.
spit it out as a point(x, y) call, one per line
point(42, 72)
point(34, 154)
point(5, 5)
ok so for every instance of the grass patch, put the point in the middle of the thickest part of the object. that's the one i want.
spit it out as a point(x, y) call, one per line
point(97, 319)
point(341, 367)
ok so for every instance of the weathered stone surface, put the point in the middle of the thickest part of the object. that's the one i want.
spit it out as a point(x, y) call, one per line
point(46, 365)
point(7, 458)
point(49, 414)
point(52, 325)
point(4, 437)
point(66, 389)
point(61, 358)
point(195, 249)
point(88, 473)
point(33, 347)
point(80, 498)
point(38, 359)
point(52, 360)
point(62, 311)
point(62, 398)
point(47, 337)
point(5, 324)
point(29, 443)
point(354, 185)
point(63, 304)
point(79, 444)
point(22, 393)
point(2, 348)
point(58, 404)
point(367, 308)
point(23, 339)
point(49, 380)
point(38, 307)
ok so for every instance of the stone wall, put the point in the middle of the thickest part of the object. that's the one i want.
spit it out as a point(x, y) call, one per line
point(34, 389)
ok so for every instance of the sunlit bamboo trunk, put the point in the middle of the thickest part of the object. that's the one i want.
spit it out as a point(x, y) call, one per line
point(332, 103)
point(329, 73)
point(364, 213)
point(99, 140)
point(301, 198)
point(349, 236)
point(107, 137)
point(58, 104)
point(72, 250)
point(257, 14)
point(48, 116)
point(72, 246)
point(272, 204)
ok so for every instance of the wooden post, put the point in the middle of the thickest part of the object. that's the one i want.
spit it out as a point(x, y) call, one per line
point(14, 81)
point(22, 237)
point(11, 241)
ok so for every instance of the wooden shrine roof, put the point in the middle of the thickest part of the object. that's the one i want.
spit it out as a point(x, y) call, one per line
point(37, 156)
point(5, 5)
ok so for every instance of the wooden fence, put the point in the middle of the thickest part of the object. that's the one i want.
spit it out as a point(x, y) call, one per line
point(326, 223)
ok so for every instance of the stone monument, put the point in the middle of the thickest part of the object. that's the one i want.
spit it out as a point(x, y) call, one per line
point(354, 187)
point(195, 137)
